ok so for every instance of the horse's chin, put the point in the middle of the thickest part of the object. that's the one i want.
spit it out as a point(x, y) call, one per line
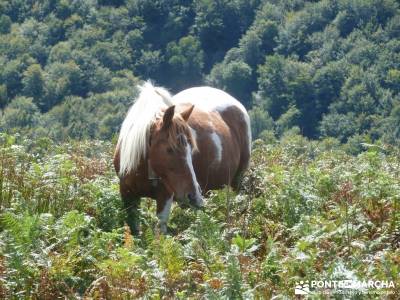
point(190, 203)
point(197, 206)
point(196, 202)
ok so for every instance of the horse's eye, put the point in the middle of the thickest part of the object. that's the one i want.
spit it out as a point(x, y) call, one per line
point(170, 150)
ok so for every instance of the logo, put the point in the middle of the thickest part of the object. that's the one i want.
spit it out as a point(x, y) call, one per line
point(302, 288)
point(345, 287)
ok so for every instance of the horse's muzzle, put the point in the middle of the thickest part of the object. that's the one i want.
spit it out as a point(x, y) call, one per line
point(195, 201)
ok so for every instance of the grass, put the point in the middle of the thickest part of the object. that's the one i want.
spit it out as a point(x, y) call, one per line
point(308, 211)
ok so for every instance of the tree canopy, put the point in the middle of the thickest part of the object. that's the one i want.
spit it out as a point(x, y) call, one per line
point(328, 68)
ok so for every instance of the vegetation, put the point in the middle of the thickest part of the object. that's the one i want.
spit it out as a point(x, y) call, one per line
point(328, 68)
point(321, 201)
point(308, 211)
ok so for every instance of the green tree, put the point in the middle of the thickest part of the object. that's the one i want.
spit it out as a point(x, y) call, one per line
point(327, 83)
point(250, 47)
point(149, 64)
point(61, 53)
point(354, 14)
point(260, 121)
point(393, 27)
point(340, 126)
point(5, 24)
point(110, 55)
point(11, 76)
point(272, 84)
point(393, 79)
point(294, 37)
point(219, 25)
point(185, 62)
point(234, 77)
point(392, 132)
point(288, 120)
point(135, 42)
point(20, 113)
point(286, 83)
point(33, 82)
point(3, 95)
point(62, 80)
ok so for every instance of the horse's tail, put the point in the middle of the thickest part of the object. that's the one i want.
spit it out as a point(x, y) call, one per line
point(135, 130)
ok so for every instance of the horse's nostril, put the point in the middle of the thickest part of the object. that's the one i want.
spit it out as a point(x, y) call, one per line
point(192, 199)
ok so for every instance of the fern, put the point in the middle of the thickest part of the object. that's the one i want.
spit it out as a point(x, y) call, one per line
point(233, 279)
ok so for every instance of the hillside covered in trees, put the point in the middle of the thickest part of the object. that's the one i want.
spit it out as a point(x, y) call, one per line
point(321, 198)
point(319, 68)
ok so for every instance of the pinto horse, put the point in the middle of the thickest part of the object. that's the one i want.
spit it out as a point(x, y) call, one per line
point(176, 147)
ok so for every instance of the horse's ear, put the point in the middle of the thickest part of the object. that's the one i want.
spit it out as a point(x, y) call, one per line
point(168, 115)
point(186, 114)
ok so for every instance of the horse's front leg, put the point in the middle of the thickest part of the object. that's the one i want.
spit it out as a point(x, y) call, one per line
point(131, 203)
point(164, 203)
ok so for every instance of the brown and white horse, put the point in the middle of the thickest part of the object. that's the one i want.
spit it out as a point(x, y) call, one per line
point(176, 147)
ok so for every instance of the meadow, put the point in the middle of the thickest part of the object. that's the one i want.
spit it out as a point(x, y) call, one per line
point(308, 210)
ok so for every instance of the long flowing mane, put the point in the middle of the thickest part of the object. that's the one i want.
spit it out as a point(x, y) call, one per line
point(135, 130)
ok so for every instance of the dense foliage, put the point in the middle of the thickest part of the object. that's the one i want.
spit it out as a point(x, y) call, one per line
point(328, 68)
point(308, 211)
point(321, 200)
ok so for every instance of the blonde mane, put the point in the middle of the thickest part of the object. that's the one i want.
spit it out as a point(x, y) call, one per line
point(135, 130)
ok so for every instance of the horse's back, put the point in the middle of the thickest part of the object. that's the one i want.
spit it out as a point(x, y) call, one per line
point(210, 99)
point(224, 122)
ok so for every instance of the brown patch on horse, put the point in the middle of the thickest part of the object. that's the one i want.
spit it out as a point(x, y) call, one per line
point(231, 128)
point(237, 124)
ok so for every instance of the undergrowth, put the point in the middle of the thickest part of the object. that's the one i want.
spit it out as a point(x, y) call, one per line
point(307, 211)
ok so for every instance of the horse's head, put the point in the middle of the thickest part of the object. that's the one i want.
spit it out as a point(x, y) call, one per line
point(170, 154)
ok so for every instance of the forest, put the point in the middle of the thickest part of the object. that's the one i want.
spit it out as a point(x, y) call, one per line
point(320, 68)
point(320, 201)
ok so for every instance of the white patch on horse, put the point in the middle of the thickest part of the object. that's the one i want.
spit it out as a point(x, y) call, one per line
point(208, 99)
point(164, 215)
point(212, 99)
point(218, 146)
point(198, 197)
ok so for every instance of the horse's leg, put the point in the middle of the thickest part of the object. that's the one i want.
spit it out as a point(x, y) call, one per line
point(243, 166)
point(164, 203)
point(131, 204)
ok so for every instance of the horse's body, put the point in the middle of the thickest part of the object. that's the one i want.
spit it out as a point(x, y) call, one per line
point(211, 133)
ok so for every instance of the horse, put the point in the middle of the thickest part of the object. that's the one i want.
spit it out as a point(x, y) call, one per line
point(179, 147)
